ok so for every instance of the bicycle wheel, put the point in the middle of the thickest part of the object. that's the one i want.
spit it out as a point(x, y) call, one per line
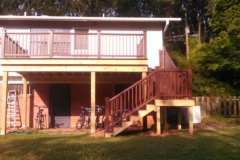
point(88, 122)
point(41, 122)
point(80, 123)
point(97, 122)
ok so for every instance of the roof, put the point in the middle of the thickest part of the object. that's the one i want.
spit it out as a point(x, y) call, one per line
point(87, 22)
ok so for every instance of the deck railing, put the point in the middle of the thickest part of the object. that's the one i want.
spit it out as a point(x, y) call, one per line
point(82, 45)
point(173, 83)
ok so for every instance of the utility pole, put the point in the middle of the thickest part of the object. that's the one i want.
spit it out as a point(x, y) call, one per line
point(186, 33)
point(199, 27)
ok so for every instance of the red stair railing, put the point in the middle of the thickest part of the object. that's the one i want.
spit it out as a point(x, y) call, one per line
point(130, 100)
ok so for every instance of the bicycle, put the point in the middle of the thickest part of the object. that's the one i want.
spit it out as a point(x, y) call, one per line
point(97, 121)
point(81, 120)
point(39, 120)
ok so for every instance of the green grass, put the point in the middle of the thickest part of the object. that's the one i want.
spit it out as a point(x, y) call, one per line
point(221, 119)
point(219, 144)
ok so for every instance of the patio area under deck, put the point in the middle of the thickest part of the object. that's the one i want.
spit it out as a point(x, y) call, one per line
point(48, 71)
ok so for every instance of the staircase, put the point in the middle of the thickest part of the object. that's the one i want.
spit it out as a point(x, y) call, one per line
point(141, 113)
point(137, 101)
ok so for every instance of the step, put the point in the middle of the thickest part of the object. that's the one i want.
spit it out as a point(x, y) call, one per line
point(126, 124)
point(108, 134)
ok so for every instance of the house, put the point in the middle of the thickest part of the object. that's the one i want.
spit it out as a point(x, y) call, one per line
point(62, 63)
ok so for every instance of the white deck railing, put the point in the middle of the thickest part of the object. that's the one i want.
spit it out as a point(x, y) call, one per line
point(82, 45)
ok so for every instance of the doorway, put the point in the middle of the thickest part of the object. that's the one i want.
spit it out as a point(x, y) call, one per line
point(60, 105)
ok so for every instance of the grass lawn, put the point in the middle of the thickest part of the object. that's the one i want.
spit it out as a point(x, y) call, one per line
point(218, 144)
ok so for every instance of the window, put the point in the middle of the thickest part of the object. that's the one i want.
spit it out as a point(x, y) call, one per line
point(61, 42)
point(81, 39)
point(39, 42)
point(19, 88)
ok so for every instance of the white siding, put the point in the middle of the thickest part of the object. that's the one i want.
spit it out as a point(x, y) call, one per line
point(154, 44)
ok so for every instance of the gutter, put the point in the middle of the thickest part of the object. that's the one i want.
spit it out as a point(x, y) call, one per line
point(88, 19)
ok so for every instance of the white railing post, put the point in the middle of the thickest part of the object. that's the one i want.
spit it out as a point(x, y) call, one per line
point(3, 42)
point(50, 51)
point(99, 43)
point(145, 44)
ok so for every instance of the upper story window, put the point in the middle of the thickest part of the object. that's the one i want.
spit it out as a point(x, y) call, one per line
point(61, 42)
point(39, 42)
point(81, 39)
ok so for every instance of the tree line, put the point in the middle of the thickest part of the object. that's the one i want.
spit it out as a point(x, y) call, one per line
point(212, 29)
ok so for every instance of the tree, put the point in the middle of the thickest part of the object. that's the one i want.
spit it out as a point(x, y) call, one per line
point(216, 66)
point(225, 24)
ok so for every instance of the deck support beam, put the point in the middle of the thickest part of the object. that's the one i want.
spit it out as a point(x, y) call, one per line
point(24, 103)
point(3, 110)
point(93, 100)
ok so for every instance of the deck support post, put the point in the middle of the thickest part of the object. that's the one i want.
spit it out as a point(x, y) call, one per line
point(93, 99)
point(3, 109)
point(24, 103)
point(144, 74)
point(145, 123)
point(158, 122)
point(190, 119)
point(179, 119)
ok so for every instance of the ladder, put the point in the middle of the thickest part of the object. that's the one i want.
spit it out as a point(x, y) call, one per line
point(12, 108)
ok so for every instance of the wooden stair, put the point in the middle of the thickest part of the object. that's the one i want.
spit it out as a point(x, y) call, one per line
point(126, 123)
point(139, 99)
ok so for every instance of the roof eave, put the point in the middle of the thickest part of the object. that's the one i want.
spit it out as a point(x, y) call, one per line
point(88, 19)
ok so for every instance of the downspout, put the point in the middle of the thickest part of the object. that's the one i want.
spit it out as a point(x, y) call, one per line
point(162, 54)
point(166, 27)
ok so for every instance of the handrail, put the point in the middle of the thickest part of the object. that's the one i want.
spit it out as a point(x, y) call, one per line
point(130, 100)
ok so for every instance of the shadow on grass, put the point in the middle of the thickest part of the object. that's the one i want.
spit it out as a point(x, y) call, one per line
point(220, 144)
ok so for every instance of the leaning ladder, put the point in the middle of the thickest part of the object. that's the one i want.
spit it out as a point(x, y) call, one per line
point(12, 108)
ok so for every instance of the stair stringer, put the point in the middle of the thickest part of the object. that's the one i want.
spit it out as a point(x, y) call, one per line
point(126, 124)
